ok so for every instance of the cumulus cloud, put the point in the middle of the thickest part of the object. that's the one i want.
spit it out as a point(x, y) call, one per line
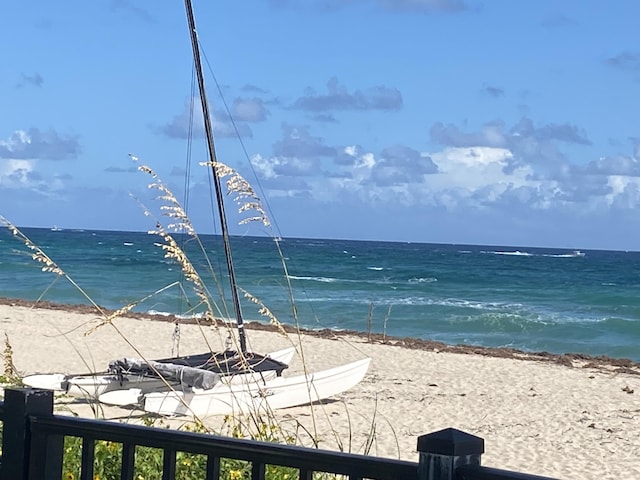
point(298, 142)
point(249, 110)
point(400, 164)
point(493, 169)
point(529, 144)
point(565, 133)
point(387, 174)
point(619, 165)
point(26, 163)
point(338, 97)
point(37, 144)
point(190, 122)
point(19, 175)
point(491, 135)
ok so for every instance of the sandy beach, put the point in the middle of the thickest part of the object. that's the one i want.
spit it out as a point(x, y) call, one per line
point(569, 417)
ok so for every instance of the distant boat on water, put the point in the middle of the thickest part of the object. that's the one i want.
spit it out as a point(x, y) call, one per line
point(55, 228)
point(516, 253)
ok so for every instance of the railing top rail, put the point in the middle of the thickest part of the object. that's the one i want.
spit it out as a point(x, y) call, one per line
point(227, 447)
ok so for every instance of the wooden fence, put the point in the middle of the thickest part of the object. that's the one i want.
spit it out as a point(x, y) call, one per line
point(33, 449)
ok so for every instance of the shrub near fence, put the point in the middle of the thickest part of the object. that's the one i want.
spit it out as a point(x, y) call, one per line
point(33, 449)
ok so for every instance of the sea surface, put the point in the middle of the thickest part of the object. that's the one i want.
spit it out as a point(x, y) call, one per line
point(532, 299)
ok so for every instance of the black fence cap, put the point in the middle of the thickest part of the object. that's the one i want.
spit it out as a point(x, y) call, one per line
point(451, 442)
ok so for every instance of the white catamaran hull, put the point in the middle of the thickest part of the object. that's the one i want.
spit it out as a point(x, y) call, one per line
point(94, 385)
point(278, 393)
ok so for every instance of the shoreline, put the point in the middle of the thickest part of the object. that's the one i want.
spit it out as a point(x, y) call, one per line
point(620, 365)
point(536, 413)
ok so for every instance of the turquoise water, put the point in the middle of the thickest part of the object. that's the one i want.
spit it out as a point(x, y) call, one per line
point(531, 299)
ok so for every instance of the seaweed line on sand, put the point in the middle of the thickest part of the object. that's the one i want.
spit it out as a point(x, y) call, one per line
point(615, 365)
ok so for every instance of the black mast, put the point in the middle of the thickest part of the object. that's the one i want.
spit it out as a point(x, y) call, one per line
point(216, 179)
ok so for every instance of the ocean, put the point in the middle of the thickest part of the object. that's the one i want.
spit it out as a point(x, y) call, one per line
point(531, 299)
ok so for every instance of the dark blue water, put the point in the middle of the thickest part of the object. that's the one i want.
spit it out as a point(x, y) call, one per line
point(526, 298)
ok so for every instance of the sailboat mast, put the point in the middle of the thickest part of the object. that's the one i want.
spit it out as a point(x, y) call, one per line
point(216, 179)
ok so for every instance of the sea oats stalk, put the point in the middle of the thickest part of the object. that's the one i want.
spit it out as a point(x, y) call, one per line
point(180, 222)
point(11, 375)
point(106, 318)
point(264, 311)
point(172, 208)
point(48, 265)
point(248, 200)
point(249, 205)
point(245, 196)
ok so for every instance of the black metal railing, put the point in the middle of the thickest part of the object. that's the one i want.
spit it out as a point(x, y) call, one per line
point(33, 449)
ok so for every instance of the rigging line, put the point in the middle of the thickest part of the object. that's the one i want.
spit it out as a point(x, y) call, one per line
point(246, 154)
point(187, 177)
point(212, 157)
point(225, 310)
point(175, 337)
point(263, 198)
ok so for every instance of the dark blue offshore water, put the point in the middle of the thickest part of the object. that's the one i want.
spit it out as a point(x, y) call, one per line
point(533, 299)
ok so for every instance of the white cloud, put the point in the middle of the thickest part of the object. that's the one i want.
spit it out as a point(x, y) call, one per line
point(458, 179)
point(473, 168)
point(625, 191)
point(37, 144)
point(16, 173)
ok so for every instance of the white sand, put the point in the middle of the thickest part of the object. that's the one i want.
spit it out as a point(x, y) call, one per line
point(544, 418)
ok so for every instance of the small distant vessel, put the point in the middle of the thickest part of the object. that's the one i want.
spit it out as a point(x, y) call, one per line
point(577, 253)
point(55, 228)
point(515, 253)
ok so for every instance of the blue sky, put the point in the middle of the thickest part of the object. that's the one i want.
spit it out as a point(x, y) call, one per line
point(449, 121)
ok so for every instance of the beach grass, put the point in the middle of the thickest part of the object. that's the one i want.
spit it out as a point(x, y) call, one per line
point(263, 425)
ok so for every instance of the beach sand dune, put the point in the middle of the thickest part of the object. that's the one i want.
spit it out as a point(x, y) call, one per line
point(561, 416)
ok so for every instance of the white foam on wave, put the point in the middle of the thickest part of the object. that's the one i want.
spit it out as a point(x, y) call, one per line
point(314, 279)
point(574, 254)
point(423, 280)
point(518, 253)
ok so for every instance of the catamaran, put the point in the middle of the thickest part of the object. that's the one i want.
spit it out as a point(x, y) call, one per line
point(200, 371)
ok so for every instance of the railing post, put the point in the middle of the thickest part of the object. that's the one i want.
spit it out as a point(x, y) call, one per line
point(443, 451)
point(19, 403)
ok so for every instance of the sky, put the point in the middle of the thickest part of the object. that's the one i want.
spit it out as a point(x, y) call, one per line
point(494, 122)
